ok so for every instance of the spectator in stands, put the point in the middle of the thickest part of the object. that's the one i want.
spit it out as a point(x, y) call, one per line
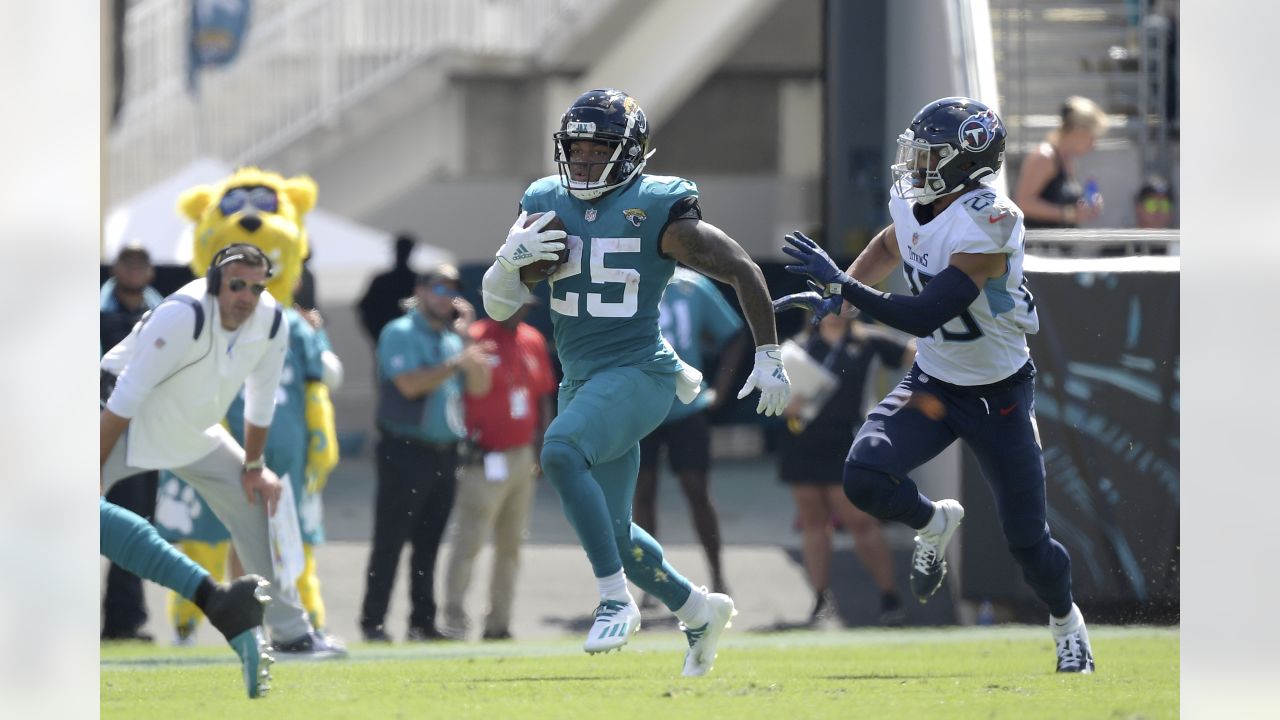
point(1048, 191)
point(496, 484)
point(125, 298)
point(381, 302)
point(420, 418)
point(1153, 205)
point(812, 457)
point(693, 314)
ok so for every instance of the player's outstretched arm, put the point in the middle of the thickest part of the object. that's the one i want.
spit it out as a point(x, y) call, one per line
point(944, 297)
point(707, 249)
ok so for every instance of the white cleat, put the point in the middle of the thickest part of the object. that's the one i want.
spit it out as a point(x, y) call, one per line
point(616, 621)
point(928, 560)
point(701, 656)
point(1072, 641)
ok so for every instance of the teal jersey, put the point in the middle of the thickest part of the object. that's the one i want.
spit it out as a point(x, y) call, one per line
point(406, 344)
point(604, 299)
point(693, 313)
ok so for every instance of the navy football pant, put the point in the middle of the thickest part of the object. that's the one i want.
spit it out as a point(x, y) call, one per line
point(918, 420)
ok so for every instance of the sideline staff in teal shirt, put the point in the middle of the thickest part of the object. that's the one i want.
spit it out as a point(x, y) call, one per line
point(424, 366)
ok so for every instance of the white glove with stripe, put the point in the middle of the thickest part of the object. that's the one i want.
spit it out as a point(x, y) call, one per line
point(770, 377)
point(527, 245)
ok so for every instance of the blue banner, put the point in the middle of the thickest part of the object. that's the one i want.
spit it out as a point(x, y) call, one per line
point(217, 30)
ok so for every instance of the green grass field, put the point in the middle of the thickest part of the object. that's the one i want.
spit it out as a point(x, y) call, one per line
point(1003, 672)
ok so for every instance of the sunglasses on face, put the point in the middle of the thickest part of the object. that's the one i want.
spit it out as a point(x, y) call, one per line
point(1156, 205)
point(239, 284)
point(262, 198)
point(445, 290)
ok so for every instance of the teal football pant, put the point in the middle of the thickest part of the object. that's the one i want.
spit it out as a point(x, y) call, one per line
point(591, 455)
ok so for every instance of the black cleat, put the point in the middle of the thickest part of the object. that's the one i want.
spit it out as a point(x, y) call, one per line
point(236, 610)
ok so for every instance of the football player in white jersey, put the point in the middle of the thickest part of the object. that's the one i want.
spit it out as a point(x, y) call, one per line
point(960, 245)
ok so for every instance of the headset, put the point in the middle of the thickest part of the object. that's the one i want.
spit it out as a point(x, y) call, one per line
point(235, 252)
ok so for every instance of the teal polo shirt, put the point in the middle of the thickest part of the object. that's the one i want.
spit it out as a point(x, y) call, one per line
point(410, 343)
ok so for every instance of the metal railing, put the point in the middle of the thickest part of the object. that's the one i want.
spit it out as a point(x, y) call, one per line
point(302, 63)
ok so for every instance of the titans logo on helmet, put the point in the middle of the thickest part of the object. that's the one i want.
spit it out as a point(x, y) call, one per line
point(977, 131)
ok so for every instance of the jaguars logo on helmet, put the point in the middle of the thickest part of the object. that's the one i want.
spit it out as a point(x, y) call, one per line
point(610, 117)
point(951, 144)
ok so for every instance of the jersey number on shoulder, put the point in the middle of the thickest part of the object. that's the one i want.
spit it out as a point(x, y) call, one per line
point(917, 280)
point(597, 306)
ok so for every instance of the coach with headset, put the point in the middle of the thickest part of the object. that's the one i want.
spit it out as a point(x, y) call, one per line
point(178, 371)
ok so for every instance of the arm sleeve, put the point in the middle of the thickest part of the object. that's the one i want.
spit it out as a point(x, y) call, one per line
point(260, 387)
point(503, 292)
point(943, 298)
point(157, 348)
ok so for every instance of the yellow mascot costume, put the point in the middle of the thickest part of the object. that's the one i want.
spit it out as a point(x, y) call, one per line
point(265, 209)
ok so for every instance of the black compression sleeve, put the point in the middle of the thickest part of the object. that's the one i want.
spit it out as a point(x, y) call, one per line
point(942, 298)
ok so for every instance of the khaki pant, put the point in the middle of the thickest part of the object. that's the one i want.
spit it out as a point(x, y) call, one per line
point(484, 507)
point(216, 477)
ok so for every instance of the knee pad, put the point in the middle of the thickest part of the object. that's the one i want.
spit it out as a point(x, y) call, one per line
point(560, 459)
point(866, 487)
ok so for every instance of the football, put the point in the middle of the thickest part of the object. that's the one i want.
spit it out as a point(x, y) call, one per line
point(541, 269)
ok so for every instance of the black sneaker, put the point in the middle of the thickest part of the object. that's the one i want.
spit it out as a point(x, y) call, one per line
point(497, 635)
point(375, 635)
point(312, 646)
point(235, 610)
point(892, 614)
point(135, 635)
point(424, 634)
point(824, 608)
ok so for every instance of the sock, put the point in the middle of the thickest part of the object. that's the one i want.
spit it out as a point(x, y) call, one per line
point(1069, 624)
point(614, 587)
point(132, 543)
point(937, 523)
point(695, 613)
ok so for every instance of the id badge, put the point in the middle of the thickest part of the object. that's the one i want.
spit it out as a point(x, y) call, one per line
point(519, 403)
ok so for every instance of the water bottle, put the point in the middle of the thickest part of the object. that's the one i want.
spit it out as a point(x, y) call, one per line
point(986, 613)
point(1091, 194)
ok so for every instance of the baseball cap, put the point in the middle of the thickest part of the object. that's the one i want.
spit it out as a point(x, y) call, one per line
point(441, 273)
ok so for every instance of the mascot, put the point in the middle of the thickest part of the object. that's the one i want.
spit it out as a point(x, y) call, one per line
point(266, 210)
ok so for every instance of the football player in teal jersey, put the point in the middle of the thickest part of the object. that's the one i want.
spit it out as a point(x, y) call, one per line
point(625, 232)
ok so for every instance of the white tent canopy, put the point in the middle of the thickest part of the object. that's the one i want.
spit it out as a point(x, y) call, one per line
point(345, 254)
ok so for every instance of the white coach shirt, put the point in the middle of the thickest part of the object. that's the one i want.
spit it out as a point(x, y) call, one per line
point(176, 388)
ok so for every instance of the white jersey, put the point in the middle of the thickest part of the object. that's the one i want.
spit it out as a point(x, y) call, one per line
point(987, 342)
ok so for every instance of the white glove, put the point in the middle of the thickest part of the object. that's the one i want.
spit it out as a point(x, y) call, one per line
point(527, 245)
point(771, 378)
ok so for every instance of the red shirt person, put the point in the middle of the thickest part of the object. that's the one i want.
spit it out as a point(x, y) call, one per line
point(496, 485)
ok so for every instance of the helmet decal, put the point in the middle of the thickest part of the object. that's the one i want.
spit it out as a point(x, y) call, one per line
point(977, 132)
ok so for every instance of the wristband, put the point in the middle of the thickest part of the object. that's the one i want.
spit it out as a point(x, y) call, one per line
point(251, 465)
